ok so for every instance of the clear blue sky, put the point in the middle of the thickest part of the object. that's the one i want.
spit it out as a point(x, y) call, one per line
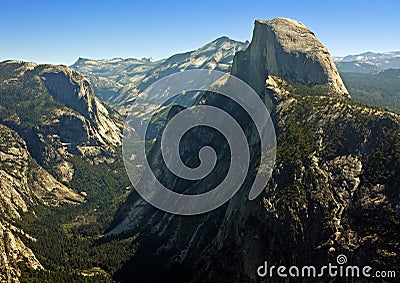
point(61, 31)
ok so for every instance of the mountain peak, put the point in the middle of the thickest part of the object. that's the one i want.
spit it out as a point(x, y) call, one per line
point(222, 38)
point(288, 49)
point(281, 22)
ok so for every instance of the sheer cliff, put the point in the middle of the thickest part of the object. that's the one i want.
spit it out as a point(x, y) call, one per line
point(334, 187)
point(54, 109)
point(287, 49)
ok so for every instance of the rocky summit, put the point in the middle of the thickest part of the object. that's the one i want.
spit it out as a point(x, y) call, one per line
point(288, 49)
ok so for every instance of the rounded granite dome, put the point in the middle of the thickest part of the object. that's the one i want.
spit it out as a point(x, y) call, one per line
point(288, 49)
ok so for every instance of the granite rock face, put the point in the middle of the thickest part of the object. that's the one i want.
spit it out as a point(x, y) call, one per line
point(287, 49)
point(334, 189)
point(75, 92)
point(48, 116)
point(23, 184)
point(58, 114)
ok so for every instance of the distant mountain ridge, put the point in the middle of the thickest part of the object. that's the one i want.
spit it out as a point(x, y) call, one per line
point(372, 78)
point(111, 77)
point(368, 62)
point(118, 81)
